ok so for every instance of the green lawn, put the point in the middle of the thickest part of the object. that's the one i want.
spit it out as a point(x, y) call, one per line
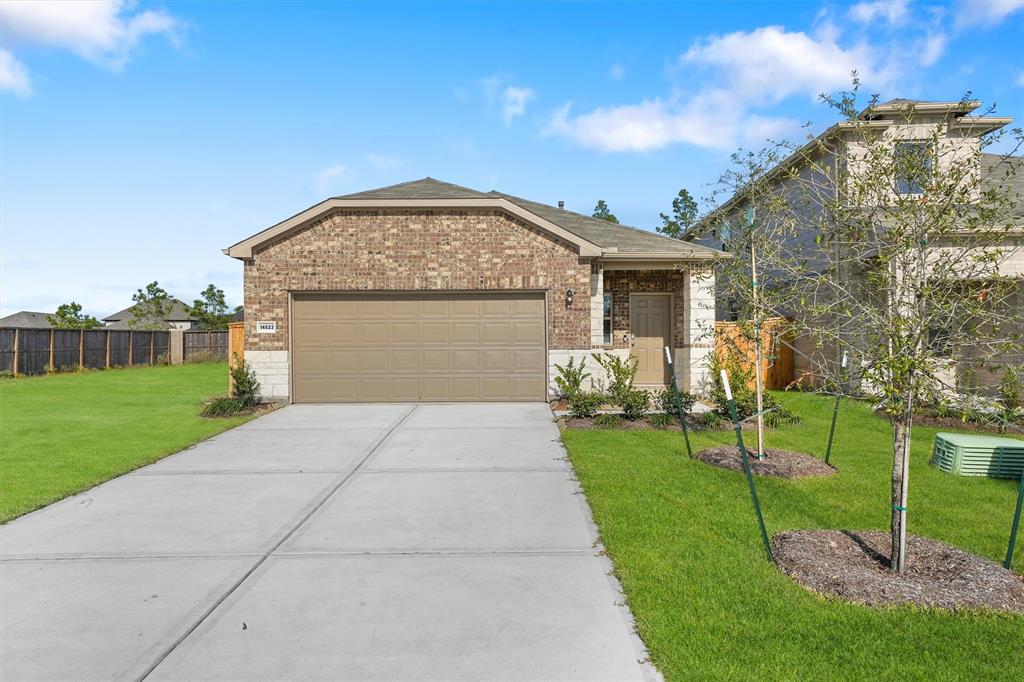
point(708, 604)
point(64, 433)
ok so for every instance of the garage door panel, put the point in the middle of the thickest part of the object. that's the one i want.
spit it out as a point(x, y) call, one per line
point(405, 346)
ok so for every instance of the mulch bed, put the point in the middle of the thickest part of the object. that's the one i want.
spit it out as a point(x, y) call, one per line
point(958, 424)
point(642, 425)
point(854, 566)
point(777, 463)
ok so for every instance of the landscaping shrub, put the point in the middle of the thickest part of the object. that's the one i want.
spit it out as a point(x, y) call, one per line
point(661, 420)
point(224, 407)
point(1011, 393)
point(570, 378)
point(709, 420)
point(585, 404)
point(607, 421)
point(246, 388)
point(667, 400)
point(634, 402)
point(621, 373)
point(744, 395)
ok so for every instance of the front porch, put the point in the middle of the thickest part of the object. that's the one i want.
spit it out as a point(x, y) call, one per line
point(638, 311)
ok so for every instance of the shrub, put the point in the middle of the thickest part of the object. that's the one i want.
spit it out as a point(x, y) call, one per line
point(585, 404)
point(661, 420)
point(607, 421)
point(224, 407)
point(634, 402)
point(1011, 393)
point(246, 388)
point(570, 378)
point(667, 400)
point(744, 395)
point(709, 420)
point(621, 373)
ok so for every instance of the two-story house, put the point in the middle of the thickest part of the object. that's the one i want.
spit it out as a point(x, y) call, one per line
point(950, 134)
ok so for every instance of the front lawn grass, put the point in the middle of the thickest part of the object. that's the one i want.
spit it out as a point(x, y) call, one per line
point(708, 604)
point(64, 433)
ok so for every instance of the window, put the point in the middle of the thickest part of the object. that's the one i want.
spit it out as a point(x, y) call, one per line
point(913, 162)
point(608, 319)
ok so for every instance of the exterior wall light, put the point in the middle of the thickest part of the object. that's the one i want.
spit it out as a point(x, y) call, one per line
point(569, 293)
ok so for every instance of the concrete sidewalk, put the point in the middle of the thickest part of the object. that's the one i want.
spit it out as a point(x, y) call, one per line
point(334, 542)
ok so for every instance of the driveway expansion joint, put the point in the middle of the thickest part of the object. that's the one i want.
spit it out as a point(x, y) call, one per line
point(375, 446)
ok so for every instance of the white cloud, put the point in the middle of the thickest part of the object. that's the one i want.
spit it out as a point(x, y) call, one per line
point(616, 72)
point(102, 31)
point(891, 11)
point(513, 102)
point(329, 178)
point(770, 63)
point(985, 12)
point(931, 48)
point(383, 162)
point(13, 75)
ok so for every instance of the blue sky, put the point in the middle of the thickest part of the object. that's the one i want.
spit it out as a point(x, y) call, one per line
point(139, 139)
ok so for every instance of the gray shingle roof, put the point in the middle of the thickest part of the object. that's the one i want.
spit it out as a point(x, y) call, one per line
point(600, 232)
point(1008, 172)
point(27, 318)
point(177, 313)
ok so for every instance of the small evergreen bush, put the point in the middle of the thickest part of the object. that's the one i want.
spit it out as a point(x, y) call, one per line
point(245, 389)
point(571, 377)
point(585, 404)
point(607, 421)
point(667, 400)
point(634, 402)
point(224, 407)
point(661, 420)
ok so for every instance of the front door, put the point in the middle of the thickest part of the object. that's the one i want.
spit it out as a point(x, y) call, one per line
point(650, 325)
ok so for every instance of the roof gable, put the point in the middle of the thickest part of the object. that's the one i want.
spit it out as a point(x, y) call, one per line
point(178, 312)
point(593, 237)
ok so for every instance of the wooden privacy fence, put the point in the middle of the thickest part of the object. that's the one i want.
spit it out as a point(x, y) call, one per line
point(201, 346)
point(36, 351)
point(731, 338)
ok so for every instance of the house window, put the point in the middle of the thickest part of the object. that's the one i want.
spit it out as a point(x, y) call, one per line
point(607, 319)
point(913, 161)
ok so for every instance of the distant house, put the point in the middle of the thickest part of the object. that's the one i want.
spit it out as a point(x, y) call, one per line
point(26, 319)
point(177, 318)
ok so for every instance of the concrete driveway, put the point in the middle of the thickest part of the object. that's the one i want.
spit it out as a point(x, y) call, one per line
point(325, 542)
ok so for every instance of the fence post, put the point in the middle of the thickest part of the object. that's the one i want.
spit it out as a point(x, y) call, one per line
point(15, 366)
point(152, 348)
point(131, 351)
point(108, 350)
point(81, 349)
point(52, 368)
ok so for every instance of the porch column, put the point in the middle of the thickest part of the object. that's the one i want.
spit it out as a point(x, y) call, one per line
point(692, 372)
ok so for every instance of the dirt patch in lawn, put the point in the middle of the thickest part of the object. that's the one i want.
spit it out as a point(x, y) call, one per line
point(777, 463)
point(854, 566)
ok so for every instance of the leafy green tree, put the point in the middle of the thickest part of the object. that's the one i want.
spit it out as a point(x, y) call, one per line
point(152, 306)
point(601, 211)
point(70, 316)
point(210, 310)
point(684, 216)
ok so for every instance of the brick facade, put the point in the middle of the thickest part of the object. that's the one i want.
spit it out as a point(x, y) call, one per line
point(417, 250)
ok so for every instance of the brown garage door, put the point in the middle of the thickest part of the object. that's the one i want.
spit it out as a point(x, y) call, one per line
point(393, 347)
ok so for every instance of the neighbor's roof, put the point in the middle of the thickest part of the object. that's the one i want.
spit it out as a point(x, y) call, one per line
point(177, 313)
point(27, 318)
point(595, 237)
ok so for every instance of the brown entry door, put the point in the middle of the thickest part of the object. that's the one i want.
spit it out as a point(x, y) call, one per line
point(650, 326)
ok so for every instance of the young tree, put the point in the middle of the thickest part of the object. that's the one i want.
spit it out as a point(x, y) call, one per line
point(601, 211)
point(684, 216)
point(152, 305)
point(894, 251)
point(210, 309)
point(70, 316)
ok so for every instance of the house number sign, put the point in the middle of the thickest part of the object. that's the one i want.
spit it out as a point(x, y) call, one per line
point(266, 327)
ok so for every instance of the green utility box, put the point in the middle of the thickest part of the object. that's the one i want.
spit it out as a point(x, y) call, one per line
point(975, 455)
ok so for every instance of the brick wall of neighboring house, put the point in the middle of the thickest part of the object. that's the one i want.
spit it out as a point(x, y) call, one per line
point(468, 250)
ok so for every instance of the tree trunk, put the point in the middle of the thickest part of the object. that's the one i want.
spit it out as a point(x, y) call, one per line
point(901, 428)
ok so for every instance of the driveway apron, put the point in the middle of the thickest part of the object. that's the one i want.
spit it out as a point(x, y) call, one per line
point(342, 542)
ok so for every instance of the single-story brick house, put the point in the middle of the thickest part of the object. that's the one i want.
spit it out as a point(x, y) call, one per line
point(431, 291)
